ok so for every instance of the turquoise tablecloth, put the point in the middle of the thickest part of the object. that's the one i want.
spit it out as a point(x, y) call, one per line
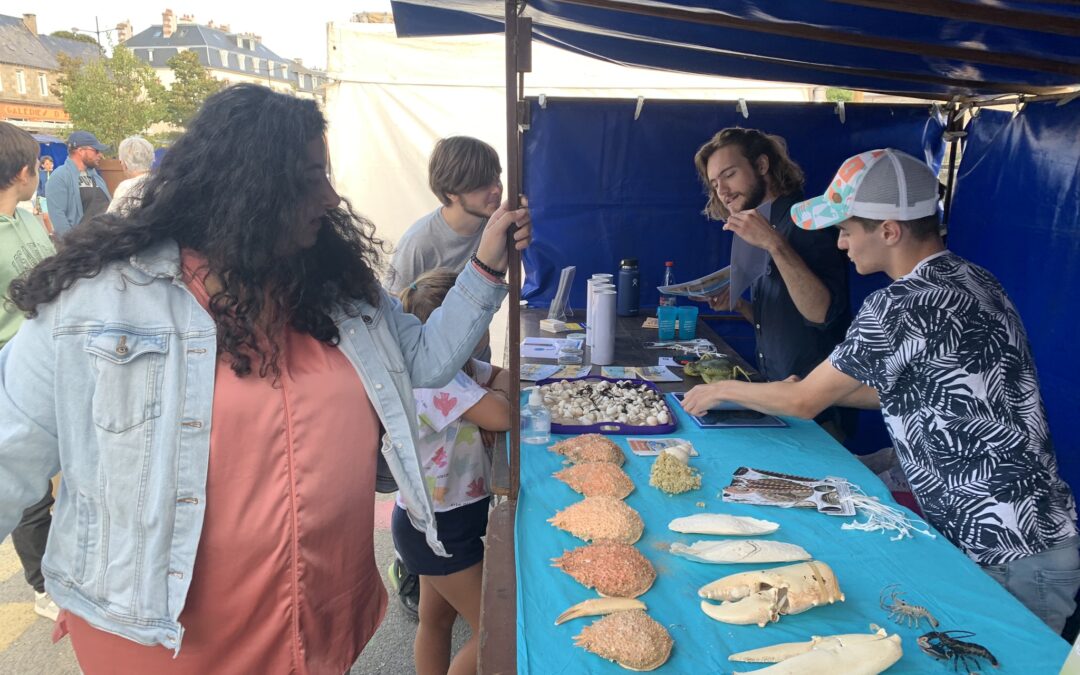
point(931, 571)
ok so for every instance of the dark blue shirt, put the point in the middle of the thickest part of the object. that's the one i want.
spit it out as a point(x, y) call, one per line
point(787, 343)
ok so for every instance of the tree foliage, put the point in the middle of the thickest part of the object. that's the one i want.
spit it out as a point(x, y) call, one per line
point(75, 36)
point(192, 83)
point(112, 97)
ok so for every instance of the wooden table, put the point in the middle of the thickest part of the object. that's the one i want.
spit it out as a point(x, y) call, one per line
point(498, 609)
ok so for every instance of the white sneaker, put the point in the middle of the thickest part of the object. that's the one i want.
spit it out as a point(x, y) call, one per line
point(44, 606)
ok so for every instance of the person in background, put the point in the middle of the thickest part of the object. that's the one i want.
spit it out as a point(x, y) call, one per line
point(458, 467)
point(464, 174)
point(76, 192)
point(136, 156)
point(215, 373)
point(943, 354)
point(799, 295)
point(23, 244)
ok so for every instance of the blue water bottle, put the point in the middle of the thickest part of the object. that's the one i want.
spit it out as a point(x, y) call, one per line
point(629, 290)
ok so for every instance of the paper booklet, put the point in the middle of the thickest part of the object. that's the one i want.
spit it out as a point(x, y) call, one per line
point(768, 488)
point(709, 284)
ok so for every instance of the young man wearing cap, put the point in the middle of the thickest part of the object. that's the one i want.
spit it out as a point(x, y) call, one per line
point(76, 192)
point(943, 353)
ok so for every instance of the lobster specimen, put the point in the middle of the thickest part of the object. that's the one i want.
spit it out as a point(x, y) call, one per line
point(903, 612)
point(946, 646)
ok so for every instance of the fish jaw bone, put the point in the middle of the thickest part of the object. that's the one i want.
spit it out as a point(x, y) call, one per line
point(829, 655)
point(722, 523)
point(741, 551)
point(786, 650)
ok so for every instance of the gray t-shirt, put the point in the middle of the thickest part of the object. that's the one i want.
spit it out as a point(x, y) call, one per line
point(429, 243)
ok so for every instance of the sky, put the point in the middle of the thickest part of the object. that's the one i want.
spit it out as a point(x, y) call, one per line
point(290, 34)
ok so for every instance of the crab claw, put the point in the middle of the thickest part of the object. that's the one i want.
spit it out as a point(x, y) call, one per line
point(759, 608)
point(790, 590)
point(599, 606)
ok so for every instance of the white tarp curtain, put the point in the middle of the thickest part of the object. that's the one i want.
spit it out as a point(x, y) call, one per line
point(390, 99)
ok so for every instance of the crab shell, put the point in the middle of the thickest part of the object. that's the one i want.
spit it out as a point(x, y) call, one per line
point(761, 597)
point(600, 518)
point(631, 639)
point(597, 479)
point(589, 448)
point(859, 654)
point(613, 569)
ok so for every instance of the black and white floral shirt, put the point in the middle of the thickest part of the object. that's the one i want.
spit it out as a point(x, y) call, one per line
point(947, 352)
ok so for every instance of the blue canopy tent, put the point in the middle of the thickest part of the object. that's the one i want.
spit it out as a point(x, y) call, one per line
point(607, 179)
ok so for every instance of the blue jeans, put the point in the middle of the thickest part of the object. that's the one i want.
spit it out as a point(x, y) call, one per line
point(1045, 582)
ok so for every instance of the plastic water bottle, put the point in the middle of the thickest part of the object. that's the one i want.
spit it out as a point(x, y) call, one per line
point(535, 420)
point(669, 279)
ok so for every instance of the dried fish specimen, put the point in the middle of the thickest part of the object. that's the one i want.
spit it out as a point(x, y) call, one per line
point(761, 597)
point(589, 448)
point(597, 479)
point(631, 639)
point(599, 607)
point(672, 474)
point(613, 569)
point(600, 518)
point(741, 551)
point(852, 654)
point(721, 523)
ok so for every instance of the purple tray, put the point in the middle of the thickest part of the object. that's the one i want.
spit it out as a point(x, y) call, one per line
point(614, 428)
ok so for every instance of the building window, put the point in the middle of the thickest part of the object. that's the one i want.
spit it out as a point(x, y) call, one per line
point(20, 81)
point(43, 84)
point(243, 62)
point(150, 55)
point(255, 64)
point(224, 58)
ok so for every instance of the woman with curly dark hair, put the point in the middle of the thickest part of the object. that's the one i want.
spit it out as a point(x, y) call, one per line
point(212, 372)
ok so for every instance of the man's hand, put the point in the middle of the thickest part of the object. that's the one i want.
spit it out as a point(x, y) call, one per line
point(492, 248)
point(754, 230)
point(701, 398)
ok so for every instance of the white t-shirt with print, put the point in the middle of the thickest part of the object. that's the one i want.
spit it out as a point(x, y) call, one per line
point(456, 466)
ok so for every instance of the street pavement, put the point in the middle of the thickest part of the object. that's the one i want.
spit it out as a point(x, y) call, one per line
point(26, 646)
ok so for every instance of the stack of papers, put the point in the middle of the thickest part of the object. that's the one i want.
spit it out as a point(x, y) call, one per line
point(708, 285)
point(649, 373)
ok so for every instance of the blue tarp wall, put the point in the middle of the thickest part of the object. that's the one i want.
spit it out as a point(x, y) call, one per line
point(1017, 213)
point(603, 185)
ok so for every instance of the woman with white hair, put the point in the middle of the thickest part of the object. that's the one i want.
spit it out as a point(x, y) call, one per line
point(136, 155)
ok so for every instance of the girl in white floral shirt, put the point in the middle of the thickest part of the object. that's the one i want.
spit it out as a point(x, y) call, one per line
point(452, 425)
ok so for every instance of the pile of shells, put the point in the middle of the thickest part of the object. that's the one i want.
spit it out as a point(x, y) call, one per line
point(586, 402)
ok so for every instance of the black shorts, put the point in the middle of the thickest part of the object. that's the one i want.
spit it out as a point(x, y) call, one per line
point(460, 530)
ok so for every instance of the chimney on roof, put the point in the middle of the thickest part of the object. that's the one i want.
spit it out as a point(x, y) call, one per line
point(224, 28)
point(187, 18)
point(168, 23)
point(210, 24)
point(30, 21)
point(298, 61)
point(124, 31)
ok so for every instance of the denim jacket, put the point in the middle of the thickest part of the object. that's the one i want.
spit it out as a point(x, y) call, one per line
point(113, 383)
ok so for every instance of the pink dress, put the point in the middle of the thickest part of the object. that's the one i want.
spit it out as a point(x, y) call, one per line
point(285, 578)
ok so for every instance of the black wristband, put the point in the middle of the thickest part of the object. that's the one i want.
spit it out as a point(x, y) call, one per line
point(489, 270)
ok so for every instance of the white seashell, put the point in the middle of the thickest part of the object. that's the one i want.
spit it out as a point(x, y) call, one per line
point(651, 420)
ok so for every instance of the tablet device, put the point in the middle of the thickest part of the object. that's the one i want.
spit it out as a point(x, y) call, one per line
point(729, 415)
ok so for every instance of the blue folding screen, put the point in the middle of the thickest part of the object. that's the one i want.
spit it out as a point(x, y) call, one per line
point(1017, 213)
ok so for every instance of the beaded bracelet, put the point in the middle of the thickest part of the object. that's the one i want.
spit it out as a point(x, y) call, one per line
point(485, 268)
